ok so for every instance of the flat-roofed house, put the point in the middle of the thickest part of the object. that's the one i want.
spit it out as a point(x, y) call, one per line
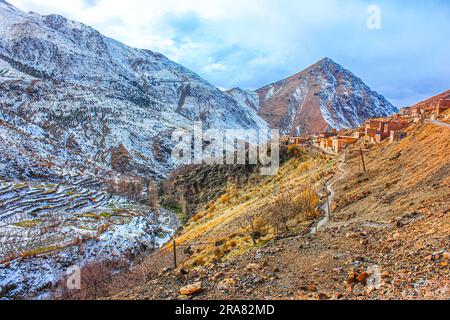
point(443, 105)
point(397, 136)
point(340, 142)
point(298, 140)
point(326, 143)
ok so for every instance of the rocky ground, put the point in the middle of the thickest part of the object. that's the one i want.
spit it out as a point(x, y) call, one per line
point(388, 239)
point(336, 263)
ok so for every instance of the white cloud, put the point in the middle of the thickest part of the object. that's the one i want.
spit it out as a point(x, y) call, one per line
point(215, 67)
point(253, 42)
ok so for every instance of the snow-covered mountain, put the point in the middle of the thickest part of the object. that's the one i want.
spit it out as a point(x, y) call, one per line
point(323, 95)
point(73, 98)
point(245, 97)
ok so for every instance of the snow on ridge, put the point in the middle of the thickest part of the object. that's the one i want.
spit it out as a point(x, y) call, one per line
point(103, 93)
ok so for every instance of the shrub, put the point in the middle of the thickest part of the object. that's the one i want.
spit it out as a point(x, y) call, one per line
point(225, 199)
point(291, 205)
point(253, 226)
point(296, 150)
point(28, 223)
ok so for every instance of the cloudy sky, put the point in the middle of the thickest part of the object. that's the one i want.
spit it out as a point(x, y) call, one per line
point(251, 43)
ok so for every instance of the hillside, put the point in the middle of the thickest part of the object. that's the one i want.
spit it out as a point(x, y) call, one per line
point(433, 100)
point(321, 96)
point(387, 238)
point(87, 179)
point(71, 97)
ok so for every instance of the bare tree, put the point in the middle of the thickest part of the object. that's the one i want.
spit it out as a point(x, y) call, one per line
point(252, 226)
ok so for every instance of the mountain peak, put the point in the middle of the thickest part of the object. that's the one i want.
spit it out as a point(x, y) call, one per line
point(321, 96)
point(325, 62)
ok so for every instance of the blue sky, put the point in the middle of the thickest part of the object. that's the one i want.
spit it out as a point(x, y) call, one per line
point(251, 43)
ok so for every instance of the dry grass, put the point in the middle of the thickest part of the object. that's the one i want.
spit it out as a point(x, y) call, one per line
point(229, 216)
point(406, 176)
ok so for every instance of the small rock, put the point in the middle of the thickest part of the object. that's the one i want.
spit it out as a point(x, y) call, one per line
point(226, 284)
point(257, 280)
point(252, 266)
point(311, 287)
point(192, 289)
point(323, 296)
point(362, 277)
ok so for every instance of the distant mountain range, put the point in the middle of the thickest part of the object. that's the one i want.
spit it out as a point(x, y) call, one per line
point(73, 99)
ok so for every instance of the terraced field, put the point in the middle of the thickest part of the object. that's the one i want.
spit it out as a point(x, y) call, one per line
point(20, 201)
point(47, 227)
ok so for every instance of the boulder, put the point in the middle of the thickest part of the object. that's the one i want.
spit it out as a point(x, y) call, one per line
point(192, 289)
point(362, 278)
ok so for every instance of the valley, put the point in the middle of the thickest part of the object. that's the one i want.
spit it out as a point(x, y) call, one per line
point(358, 210)
point(47, 228)
point(387, 237)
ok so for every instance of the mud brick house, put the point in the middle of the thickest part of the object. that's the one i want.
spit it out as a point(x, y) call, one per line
point(397, 136)
point(395, 125)
point(340, 142)
point(359, 134)
point(372, 128)
point(416, 112)
point(328, 134)
point(379, 130)
point(326, 143)
point(442, 106)
point(299, 140)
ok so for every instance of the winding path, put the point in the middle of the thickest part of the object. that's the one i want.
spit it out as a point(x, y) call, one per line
point(440, 123)
point(329, 185)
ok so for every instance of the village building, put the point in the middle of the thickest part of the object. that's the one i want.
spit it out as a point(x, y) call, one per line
point(326, 143)
point(359, 134)
point(377, 131)
point(416, 112)
point(443, 105)
point(397, 136)
point(299, 140)
point(328, 134)
point(340, 142)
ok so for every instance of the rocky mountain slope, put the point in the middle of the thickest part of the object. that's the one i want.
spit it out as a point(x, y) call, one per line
point(387, 237)
point(323, 95)
point(70, 97)
point(432, 102)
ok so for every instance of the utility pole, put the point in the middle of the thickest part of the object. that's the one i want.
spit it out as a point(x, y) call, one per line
point(359, 164)
point(362, 159)
point(328, 203)
point(174, 254)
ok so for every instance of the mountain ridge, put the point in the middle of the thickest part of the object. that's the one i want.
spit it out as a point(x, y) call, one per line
point(324, 95)
point(92, 92)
